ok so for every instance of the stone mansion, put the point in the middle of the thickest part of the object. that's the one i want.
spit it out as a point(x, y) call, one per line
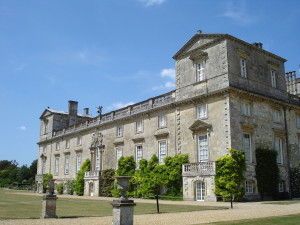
point(229, 94)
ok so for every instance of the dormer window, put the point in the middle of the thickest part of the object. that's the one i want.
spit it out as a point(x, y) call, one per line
point(243, 67)
point(46, 126)
point(200, 71)
point(273, 78)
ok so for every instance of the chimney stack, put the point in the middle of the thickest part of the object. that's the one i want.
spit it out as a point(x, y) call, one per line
point(258, 45)
point(86, 111)
point(73, 108)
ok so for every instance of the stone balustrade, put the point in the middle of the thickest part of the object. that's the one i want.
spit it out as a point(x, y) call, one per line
point(199, 168)
point(92, 174)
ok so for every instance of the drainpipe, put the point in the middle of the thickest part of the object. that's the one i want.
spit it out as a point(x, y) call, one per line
point(287, 152)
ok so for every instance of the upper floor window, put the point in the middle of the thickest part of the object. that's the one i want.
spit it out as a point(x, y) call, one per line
point(138, 154)
point(119, 131)
point(67, 143)
point(44, 148)
point(57, 146)
point(46, 122)
point(202, 111)
point(139, 126)
point(200, 71)
point(78, 161)
point(202, 148)
point(246, 109)
point(278, 149)
point(243, 68)
point(273, 78)
point(79, 140)
point(162, 151)
point(162, 121)
point(247, 146)
point(44, 159)
point(276, 116)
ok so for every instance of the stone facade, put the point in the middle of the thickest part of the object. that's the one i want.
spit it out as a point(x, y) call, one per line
point(229, 94)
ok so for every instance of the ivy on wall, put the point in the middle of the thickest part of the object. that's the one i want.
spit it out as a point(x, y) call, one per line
point(107, 182)
point(267, 172)
point(79, 184)
point(229, 176)
point(295, 182)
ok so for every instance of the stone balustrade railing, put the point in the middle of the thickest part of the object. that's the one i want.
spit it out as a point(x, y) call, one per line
point(199, 168)
point(92, 174)
point(121, 113)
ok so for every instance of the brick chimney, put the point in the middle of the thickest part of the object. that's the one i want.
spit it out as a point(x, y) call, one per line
point(73, 109)
point(258, 45)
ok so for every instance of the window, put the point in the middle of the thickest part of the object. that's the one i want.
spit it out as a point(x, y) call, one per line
point(57, 146)
point(44, 148)
point(162, 148)
point(43, 165)
point(79, 140)
point(67, 161)
point(245, 108)
point(298, 121)
point(249, 187)
point(247, 146)
point(119, 154)
point(202, 148)
point(202, 111)
point(97, 167)
point(119, 131)
point(273, 78)
point(56, 166)
point(200, 191)
point(46, 122)
point(67, 143)
point(276, 116)
point(278, 149)
point(281, 186)
point(243, 68)
point(78, 162)
point(200, 72)
point(139, 126)
point(138, 154)
point(162, 121)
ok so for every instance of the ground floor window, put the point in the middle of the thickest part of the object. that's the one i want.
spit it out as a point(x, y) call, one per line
point(200, 191)
point(119, 154)
point(281, 186)
point(249, 187)
point(278, 149)
point(56, 166)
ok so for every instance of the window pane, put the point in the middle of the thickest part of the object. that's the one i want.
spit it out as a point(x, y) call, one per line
point(202, 148)
point(162, 151)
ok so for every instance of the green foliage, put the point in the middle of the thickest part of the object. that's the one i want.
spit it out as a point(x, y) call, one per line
point(60, 188)
point(295, 182)
point(70, 186)
point(79, 185)
point(229, 175)
point(126, 166)
point(45, 178)
point(267, 172)
point(108, 180)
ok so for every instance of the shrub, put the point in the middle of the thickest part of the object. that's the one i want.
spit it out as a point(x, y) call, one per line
point(108, 180)
point(44, 182)
point(70, 187)
point(267, 172)
point(60, 188)
point(295, 182)
point(79, 185)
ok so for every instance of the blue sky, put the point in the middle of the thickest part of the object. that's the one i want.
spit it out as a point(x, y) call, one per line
point(114, 52)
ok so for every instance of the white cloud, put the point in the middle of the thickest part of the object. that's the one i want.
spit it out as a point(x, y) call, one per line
point(152, 2)
point(90, 57)
point(22, 128)
point(168, 73)
point(119, 105)
point(167, 85)
point(20, 67)
point(238, 12)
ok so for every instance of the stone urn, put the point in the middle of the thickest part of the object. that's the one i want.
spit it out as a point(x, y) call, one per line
point(123, 185)
point(50, 187)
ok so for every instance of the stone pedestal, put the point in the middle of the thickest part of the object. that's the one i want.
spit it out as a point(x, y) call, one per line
point(49, 207)
point(123, 212)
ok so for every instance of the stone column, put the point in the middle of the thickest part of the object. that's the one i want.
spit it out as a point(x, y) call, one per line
point(49, 201)
point(123, 208)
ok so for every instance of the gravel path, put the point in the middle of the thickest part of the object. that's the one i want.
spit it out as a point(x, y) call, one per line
point(240, 211)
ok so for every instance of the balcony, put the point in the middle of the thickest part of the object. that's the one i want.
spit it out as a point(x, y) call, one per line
point(199, 169)
point(92, 175)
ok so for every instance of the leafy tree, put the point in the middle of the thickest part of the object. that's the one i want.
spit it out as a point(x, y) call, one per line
point(70, 186)
point(79, 185)
point(60, 188)
point(229, 176)
point(108, 180)
point(9, 165)
point(267, 172)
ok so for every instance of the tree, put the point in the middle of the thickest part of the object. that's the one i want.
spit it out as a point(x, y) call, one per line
point(79, 185)
point(229, 176)
point(267, 172)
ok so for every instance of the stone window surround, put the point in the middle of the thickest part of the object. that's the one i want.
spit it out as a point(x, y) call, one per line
point(280, 134)
point(276, 118)
point(78, 152)
point(249, 129)
point(249, 105)
point(139, 126)
point(198, 149)
point(197, 109)
point(138, 146)
point(159, 124)
point(119, 131)
point(79, 140)
point(159, 149)
point(273, 66)
point(67, 163)
point(56, 164)
point(249, 187)
point(243, 55)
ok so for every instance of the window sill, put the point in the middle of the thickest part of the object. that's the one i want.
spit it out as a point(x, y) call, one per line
point(199, 82)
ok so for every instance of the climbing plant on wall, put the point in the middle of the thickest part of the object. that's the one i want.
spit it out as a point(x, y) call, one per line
point(229, 176)
point(79, 185)
point(107, 182)
point(295, 182)
point(267, 172)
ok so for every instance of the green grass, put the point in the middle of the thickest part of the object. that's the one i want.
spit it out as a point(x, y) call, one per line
point(283, 203)
point(286, 220)
point(25, 206)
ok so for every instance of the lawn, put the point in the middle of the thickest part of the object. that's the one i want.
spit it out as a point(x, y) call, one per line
point(283, 203)
point(286, 220)
point(14, 205)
